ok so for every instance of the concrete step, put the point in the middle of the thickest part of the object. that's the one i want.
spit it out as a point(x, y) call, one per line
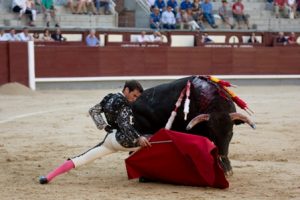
point(65, 20)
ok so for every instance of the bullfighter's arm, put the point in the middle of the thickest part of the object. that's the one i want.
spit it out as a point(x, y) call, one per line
point(125, 123)
point(95, 113)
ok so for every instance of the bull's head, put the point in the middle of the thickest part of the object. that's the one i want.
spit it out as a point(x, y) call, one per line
point(220, 131)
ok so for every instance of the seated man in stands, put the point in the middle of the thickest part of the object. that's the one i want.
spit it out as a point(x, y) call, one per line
point(223, 12)
point(57, 36)
point(207, 9)
point(174, 5)
point(281, 39)
point(49, 11)
point(155, 18)
point(3, 35)
point(280, 6)
point(161, 5)
point(239, 15)
point(168, 19)
point(107, 4)
point(91, 40)
point(20, 7)
point(24, 36)
point(12, 36)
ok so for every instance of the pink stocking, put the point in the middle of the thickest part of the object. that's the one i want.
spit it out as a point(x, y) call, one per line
point(65, 167)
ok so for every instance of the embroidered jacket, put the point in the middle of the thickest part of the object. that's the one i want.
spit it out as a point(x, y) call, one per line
point(119, 116)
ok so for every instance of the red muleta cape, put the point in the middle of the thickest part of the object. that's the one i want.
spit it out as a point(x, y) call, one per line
point(178, 158)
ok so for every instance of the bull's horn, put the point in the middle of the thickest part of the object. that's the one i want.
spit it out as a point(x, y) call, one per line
point(197, 120)
point(239, 116)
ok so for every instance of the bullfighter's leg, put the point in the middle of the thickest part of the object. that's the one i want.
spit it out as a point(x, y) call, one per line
point(108, 146)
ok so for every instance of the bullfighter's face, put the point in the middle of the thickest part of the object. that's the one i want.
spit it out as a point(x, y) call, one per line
point(131, 96)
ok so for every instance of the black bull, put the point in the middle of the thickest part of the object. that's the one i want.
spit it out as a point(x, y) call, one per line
point(212, 112)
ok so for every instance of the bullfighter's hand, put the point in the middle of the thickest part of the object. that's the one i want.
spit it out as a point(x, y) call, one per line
point(143, 142)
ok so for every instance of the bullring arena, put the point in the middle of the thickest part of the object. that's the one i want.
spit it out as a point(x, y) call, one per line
point(41, 129)
point(47, 88)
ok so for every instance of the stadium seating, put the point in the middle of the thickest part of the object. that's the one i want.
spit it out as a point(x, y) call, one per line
point(65, 18)
point(260, 18)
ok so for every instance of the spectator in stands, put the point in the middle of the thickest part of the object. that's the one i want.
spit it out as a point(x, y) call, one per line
point(142, 38)
point(77, 8)
point(36, 36)
point(91, 7)
point(104, 3)
point(24, 36)
point(57, 36)
point(281, 39)
point(156, 37)
point(185, 4)
point(180, 20)
point(207, 9)
point(252, 38)
point(238, 14)
point(20, 7)
point(292, 38)
point(269, 5)
point(30, 5)
point(292, 8)
point(205, 39)
point(223, 12)
point(155, 19)
point(189, 19)
point(174, 5)
point(280, 6)
point(12, 36)
point(168, 19)
point(91, 40)
point(49, 11)
point(3, 35)
point(47, 36)
point(161, 5)
point(197, 11)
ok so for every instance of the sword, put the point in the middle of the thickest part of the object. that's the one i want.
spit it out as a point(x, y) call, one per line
point(161, 142)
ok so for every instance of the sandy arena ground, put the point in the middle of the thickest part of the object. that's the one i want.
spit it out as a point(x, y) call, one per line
point(39, 130)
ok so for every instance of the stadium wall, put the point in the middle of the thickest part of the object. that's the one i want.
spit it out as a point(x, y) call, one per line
point(62, 60)
point(13, 62)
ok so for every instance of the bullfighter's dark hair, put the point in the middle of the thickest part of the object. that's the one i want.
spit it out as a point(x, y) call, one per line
point(133, 85)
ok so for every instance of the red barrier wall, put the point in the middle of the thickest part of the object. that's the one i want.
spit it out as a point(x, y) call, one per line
point(133, 61)
point(4, 65)
point(13, 62)
point(81, 61)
